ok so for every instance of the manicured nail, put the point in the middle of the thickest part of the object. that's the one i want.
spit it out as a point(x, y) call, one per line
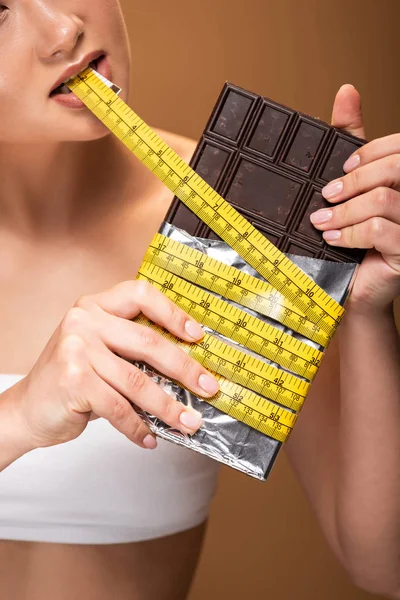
point(332, 236)
point(194, 330)
point(332, 189)
point(209, 384)
point(191, 420)
point(150, 442)
point(351, 163)
point(321, 216)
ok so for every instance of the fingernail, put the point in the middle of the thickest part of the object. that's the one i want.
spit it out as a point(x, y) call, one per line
point(351, 163)
point(209, 384)
point(332, 189)
point(332, 236)
point(321, 216)
point(150, 442)
point(194, 330)
point(191, 420)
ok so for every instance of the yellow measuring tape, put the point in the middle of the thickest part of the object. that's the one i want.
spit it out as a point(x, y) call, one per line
point(235, 323)
point(235, 400)
point(237, 366)
point(209, 206)
point(291, 296)
point(231, 283)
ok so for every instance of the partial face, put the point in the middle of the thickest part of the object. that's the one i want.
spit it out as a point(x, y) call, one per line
point(39, 41)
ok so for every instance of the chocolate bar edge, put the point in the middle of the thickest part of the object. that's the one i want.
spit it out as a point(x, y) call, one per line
point(297, 244)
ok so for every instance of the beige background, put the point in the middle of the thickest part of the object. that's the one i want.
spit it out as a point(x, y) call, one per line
point(263, 540)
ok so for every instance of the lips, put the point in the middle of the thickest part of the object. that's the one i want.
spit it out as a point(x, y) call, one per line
point(63, 88)
point(61, 93)
point(76, 68)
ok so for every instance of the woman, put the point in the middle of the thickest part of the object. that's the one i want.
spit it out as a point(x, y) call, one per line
point(78, 213)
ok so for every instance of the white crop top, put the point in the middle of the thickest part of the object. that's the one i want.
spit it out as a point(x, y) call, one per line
point(102, 489)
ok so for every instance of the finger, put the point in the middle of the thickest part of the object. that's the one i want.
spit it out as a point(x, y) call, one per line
point(106, 402)
point(378, 233)
point(347, 113)
point(138, 342)
point(375, 150)
point(380, 202)
point(384, 172)
point(136, 386)
point(130, 298)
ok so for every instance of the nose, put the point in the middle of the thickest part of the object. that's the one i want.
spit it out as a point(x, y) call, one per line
point(58, 32)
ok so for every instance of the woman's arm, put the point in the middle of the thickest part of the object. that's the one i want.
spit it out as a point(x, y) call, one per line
point(346, 445)
point(87, 369)
point(346, 450)
point(368, 497)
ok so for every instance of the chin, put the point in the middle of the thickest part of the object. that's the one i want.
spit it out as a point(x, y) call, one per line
point(85, 133)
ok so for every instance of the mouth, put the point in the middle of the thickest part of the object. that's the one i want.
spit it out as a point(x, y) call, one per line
point(60, 91)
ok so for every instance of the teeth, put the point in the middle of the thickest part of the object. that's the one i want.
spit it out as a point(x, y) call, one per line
point(64, 89)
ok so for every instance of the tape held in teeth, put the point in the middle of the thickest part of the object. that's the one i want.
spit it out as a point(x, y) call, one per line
point(64, 89)
point(117, 90)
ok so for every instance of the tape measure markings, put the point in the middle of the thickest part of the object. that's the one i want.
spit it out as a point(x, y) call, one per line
point(294, 297)
point(237, 366)
point(244, 289)
point(270, 425)
point(245, 405)
point(272, 264)
point(234, 323)
point(271, 274)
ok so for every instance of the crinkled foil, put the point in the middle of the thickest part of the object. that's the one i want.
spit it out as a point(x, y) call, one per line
point(222, 437)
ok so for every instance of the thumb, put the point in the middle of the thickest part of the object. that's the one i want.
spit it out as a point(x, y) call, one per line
point(347, 112)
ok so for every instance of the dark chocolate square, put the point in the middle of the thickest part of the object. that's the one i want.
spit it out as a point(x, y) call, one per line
point(251, 187)
point(213, 159)
point(341, 148)
point(268, 131)
point(231, 115)
point(306, 145)
point(299, 248)
point(304, 227)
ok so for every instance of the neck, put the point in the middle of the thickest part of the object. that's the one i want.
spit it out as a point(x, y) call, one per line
point(52, 190)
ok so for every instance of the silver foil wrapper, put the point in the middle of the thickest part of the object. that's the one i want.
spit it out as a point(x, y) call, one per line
point(222, 437)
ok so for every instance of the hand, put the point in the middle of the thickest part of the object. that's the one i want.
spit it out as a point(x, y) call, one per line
point(79, 375)
point(370, 217)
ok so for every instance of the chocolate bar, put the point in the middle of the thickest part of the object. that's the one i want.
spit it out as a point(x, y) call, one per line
point(271, 163)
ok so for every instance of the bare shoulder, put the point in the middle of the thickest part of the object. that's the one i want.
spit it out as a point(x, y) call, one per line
point(182, 145)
